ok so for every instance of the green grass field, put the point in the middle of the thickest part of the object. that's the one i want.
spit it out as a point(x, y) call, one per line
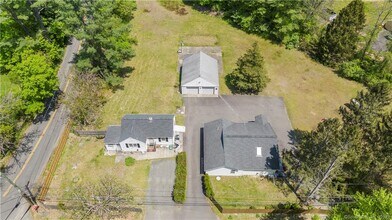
point(83, 162)
point(310, 90)
point(243, 192)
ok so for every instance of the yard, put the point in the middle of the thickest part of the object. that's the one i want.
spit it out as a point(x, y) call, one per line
point(83, 162)
point(244, 192)
point(308, 88)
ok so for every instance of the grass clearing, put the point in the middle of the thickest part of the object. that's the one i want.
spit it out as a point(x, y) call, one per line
point(310, 90)
point(83, 162)
point(245, 191)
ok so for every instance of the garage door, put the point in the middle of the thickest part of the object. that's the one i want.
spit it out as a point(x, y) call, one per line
point(191, 90)
point(207, 90)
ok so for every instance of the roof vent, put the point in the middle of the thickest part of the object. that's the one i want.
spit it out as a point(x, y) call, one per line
point(150, 119)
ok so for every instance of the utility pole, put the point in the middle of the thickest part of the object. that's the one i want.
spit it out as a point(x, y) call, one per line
point(29, 198)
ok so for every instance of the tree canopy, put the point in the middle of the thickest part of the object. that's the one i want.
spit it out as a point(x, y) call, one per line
point(104, 28)
point(355, 149)
point(250, 76)
point(376, 206)
point(339, 42)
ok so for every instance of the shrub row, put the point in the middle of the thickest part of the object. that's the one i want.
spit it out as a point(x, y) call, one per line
point(179, 189)
point(207, 187)
point(129, 161)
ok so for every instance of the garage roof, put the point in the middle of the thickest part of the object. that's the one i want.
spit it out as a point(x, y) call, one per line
point(199, 65)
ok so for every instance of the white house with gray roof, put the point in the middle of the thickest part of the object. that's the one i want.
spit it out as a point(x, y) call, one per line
point(237, 149)
point(199, 75)
point(137, 132)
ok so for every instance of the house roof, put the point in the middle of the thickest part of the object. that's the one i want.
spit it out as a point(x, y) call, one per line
point(199, 65)
point(141, 127)
point(112, 135)
point(234, 145)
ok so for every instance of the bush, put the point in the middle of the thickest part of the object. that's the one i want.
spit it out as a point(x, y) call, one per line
point(352, 70)
point(129, 161)
point(207, 187)
point(316, 217)
point(179, 189)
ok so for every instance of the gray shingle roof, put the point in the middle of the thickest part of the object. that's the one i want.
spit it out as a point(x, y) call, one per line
point(141, 127)
point(112, 135)
point(199, 65)
point(233, 145)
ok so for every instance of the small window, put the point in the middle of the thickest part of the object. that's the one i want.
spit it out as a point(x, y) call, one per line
point(232, 171)
point(258, 152)
point(138, 145)
point(127, 145)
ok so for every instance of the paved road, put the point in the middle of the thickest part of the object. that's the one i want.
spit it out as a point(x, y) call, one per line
point(35, 150)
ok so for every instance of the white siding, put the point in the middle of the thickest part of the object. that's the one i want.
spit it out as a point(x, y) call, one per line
point(143, 146)
point(207, 90)
point(227, 172)
point(162, 142)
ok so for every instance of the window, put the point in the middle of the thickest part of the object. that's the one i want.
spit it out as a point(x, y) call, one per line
point(258, 151)
point(127, 145)
point(163, 139)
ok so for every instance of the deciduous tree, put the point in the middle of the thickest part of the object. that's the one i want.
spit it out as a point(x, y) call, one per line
point(107, 199)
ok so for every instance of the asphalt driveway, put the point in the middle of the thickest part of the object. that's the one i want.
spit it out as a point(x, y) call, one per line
point(159, 200)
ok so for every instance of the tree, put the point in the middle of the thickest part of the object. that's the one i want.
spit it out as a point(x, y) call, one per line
point(366, 113)
point(250, 76)
point(85, 99)
point(37, 80)
point(104, 28)
point(10, 107)
point(317, 159)
point(106, 199)
point(339, 42)
point(377, 206)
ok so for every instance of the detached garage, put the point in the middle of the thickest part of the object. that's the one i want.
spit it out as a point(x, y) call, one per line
point(199, 75)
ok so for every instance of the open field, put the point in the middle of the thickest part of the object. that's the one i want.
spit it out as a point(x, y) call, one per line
point(310, 90)
point(243, 192)
point(83, 162)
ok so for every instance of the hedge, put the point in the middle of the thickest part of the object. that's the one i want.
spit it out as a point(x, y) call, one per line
point(179, 189)
point(207, 187)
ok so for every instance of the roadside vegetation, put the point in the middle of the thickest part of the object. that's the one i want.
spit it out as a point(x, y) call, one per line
point(179, 188)
point(31, 47)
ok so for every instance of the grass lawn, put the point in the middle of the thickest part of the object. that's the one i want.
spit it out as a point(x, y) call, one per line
point(83, 162)
point(243, 192)
point(310, 90)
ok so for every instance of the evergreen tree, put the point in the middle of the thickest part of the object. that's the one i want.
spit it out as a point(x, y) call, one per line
point(340, 39)
point(104, 28)
point(250, 76)
point(367, 160)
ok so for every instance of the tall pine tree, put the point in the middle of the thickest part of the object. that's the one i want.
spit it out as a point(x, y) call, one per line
point(250, 76)
point(339, 42)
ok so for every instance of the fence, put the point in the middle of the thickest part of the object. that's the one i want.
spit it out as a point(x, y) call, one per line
point(90, 133)
point(266, 211)
point(55, 158)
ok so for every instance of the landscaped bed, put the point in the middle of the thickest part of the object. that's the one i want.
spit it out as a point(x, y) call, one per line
point(248, 192)
point(83, 162)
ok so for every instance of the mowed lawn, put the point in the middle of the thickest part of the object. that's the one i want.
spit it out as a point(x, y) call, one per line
point(244, 192)
point(83, 162)
point(311, 91)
